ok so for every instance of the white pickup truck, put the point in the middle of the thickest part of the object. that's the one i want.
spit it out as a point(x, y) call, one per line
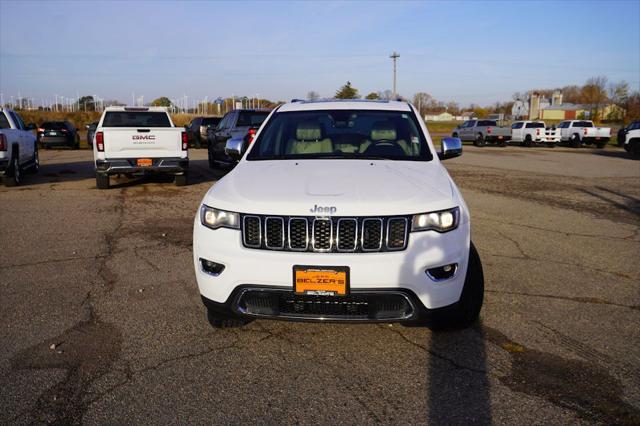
point(579, 132)
point(138, 140)
point(529, 132)
point(18, 148)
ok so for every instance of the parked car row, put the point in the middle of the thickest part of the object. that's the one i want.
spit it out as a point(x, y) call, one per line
point(574, 133)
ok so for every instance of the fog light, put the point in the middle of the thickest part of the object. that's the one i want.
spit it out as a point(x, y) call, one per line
point(442, 273)
point(211, 268)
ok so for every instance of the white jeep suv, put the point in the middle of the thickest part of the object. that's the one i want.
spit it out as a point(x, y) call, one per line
point(340, 211)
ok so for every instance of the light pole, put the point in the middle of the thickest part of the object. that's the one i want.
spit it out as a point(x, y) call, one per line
point(394, 56)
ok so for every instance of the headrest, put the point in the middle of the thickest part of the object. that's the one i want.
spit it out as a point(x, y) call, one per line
point(308, 131)
point(383, 130)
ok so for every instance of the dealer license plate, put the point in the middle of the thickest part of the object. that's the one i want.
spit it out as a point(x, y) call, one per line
point(144, 162)
point(321, 280)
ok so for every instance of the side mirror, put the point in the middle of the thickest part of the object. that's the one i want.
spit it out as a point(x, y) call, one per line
point(31, 126)
point(234, 148)
point(450, 148)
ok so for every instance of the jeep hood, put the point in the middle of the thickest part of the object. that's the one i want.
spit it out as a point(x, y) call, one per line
point(353, 187)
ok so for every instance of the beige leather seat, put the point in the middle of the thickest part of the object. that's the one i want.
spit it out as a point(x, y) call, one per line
point(384, 131)
point(309, 140)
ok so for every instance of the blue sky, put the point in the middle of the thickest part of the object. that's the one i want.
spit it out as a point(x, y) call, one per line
point(465, 51)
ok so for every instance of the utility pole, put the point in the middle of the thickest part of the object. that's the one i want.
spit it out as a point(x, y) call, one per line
point(394, 56)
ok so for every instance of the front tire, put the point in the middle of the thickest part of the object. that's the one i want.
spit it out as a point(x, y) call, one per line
point(575, 141)
point(212, 160)
point(466, 311)
point(181, 180)
point(527, 141)
point(225, 321)
point(102, 181)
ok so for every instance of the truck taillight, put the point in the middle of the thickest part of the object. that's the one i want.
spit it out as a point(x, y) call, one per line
point(537, 132)
point(489, 130)
point(185, 141)
point(584, 131)
point(3, 143)
point(100, 141)
point(250, 135)
point(40, 130)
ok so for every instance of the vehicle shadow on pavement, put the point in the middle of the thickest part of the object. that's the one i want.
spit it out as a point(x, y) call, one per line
point(59, 172)
point(625, 202)
point(614, 153)
point(457, 377)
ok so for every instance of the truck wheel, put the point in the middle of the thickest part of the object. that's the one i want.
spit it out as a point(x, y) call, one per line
point(465, 312)
point(527, 141)
point(14, 177)
point(479, 141)
point(223, 321)
point(35, 162)
point(634, 150)
point(575, 141)
point(181, 180)
point(212, 162)
point(102, 181)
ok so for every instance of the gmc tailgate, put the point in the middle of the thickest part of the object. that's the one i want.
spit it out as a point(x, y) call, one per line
point(127, 142)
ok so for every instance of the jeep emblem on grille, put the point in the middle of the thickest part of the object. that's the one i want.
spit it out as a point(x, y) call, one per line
point(319, 209)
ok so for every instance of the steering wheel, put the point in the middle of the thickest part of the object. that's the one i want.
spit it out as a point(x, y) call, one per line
point(384, 142)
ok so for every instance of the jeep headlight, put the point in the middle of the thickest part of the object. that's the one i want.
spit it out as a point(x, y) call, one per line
point(214, 218)
point(441, 221)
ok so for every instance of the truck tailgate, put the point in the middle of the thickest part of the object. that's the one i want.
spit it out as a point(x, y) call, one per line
point(126, 142)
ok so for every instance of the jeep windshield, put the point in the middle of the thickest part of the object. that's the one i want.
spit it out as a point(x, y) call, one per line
point(342, 134)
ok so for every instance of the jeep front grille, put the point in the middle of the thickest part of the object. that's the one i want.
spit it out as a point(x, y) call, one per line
point(325, 234)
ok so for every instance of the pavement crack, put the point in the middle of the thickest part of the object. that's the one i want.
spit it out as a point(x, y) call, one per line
point(456, 365)
point(589, 300)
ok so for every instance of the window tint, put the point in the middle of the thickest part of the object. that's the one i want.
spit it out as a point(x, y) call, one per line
point(486, 123)
point(517, 125)
point(341, 134)
point(16, 120)
point(53, 125)
point(635, 125)
point(536, 125)
point(136, 119)
point(4, 121)
point(251, 118)
point(210, 121)
point(582, 124)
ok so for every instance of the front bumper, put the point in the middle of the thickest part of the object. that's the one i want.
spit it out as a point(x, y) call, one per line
point(129, 165)
point(401, 270)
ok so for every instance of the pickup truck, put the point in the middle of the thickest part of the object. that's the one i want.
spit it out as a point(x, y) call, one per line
point(235, 124)
point(338, 211)
point(482, 131)
point(622, 133)
point(529, 132)
point(139, 140)
point(18, 148)
point(632, 142)
point(579, 132)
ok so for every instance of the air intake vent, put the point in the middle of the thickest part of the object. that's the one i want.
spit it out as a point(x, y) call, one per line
point(371, 234)
point(252, 231)
point(274, 235)
point(298, 234)
point(325, 234)
point(322, 234)
point(396, 233)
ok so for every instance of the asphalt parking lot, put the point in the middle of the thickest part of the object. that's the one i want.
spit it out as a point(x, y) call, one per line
point(101, 320)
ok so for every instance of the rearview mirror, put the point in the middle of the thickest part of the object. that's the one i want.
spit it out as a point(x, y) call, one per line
point(234, 148)
point(450, 148)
